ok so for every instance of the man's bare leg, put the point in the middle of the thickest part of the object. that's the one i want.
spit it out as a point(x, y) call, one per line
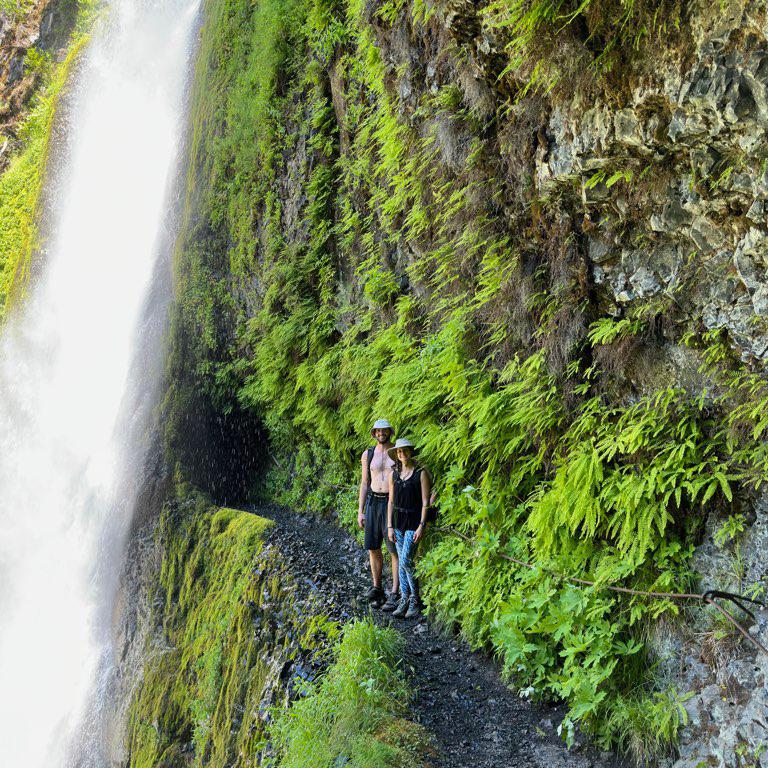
point(377, 566)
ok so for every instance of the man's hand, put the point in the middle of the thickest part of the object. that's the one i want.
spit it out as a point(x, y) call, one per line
point(361, 519)
point(391, 535)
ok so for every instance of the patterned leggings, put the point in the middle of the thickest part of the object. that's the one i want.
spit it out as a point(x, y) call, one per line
point(406, 551)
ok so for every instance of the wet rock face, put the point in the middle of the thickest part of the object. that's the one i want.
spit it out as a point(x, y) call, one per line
point(727, 713)
point(728, 704)
point(693, 143)
point(56, 24)
point(132, 629)
point(45, 26)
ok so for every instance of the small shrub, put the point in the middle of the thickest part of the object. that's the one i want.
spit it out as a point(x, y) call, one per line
point(353, 714)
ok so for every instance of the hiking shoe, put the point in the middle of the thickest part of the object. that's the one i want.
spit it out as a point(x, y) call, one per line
point(402, 607)
point(393, 600)
point(376, 596)
point(414, 608)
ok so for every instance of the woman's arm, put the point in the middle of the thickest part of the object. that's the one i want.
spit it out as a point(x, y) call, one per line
point(390, 507)
point(426, 488)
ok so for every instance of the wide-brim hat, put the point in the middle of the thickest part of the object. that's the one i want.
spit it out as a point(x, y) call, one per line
point(402, 442)
point(382, 424)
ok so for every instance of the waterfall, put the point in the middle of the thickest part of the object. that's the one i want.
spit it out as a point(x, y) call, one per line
point(67, 364)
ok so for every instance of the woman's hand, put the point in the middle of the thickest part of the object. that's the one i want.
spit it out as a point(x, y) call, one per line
point(417, 533)
point(391, 534)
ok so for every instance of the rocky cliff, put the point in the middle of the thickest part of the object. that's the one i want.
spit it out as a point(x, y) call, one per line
point(39, 43)
point(27, 32)
point(533, 236)
point(226, 658)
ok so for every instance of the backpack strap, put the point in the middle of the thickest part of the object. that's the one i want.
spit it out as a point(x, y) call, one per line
point(371, 451)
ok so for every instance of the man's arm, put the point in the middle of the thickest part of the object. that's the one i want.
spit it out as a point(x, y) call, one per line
point(363, 490)
point(390, 508)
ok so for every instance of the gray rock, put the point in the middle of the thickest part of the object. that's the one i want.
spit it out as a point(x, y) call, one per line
point(705, 235)
point(750, 258)
point(599, 251)
point(56, 24)
point(757, 212)
point(644, 283)
point(16, 66)
point(627, 128)
point(760, 300)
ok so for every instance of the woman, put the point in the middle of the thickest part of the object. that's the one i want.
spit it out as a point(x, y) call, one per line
point(409, 492)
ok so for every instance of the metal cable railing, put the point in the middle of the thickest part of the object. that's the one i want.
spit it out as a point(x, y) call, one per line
point(709, 597)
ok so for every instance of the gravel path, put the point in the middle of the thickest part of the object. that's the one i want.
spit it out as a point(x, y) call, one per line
point(477, 721)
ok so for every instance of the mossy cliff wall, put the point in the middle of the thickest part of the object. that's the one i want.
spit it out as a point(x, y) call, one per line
point(533, 236)
point(225, 642)
point(226, 639)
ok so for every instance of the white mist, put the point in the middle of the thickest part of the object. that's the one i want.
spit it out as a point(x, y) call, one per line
point(65, 368)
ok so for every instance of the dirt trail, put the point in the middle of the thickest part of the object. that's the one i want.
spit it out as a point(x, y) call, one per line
point(476, 720)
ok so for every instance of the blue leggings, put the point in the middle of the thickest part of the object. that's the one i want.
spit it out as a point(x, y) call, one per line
point(406, 551)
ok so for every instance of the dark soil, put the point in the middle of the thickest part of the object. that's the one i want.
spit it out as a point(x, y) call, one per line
point(474, 718)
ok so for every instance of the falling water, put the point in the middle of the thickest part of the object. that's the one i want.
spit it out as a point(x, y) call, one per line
point(66, 365)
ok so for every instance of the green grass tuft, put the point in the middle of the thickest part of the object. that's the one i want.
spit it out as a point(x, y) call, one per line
point(354, 714)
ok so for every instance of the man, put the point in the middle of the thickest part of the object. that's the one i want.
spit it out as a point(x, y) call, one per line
point(377, 468)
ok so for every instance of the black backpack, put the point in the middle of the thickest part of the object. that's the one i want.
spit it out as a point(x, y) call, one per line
point(370, 459)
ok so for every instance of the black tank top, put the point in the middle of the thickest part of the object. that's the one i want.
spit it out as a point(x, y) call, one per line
point(407, 501)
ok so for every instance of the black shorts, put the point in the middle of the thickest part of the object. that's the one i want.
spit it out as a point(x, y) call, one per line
point(376, 523)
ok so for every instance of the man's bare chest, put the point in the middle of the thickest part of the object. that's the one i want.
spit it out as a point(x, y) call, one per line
point(381, 464)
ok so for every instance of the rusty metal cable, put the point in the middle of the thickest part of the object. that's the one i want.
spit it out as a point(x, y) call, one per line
point(709, 597)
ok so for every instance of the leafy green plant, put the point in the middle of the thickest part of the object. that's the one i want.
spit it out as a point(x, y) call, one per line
point(732, 527)
point(16, 9)
point(647, 727)
point(606, 28)
point(340, 261)
point(607, 330)
point(37, 62)
point(354, 712)
point(749, 757)
point(728, 536)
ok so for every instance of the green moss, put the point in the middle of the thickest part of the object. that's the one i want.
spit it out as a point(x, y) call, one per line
point(606, 33)
point(21, 182)
point(227, 617)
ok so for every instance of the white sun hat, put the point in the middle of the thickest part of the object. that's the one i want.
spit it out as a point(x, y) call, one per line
point(402, 442)
point(382, 424)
